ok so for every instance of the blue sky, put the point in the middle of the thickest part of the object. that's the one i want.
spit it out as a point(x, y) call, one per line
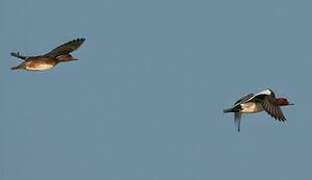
point(145, 99)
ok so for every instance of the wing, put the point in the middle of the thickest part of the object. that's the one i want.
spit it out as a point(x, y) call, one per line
point(272, 109)
point(66, 48)
point(18, 55)
point(244, 99)
point(266, 92)
point(237, 120)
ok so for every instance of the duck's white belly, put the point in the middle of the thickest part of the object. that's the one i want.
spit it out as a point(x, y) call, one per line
point(40, 67)
point(251, 107)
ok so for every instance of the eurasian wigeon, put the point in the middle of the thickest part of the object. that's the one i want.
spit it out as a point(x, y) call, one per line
point(253, 103)
point(51, 59)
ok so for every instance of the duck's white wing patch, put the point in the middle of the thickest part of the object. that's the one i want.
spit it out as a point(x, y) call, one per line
point(267, 92)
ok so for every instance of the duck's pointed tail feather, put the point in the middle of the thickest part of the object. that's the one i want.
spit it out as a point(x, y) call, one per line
point(17, 67)
point(14, 68)
point(228, 110)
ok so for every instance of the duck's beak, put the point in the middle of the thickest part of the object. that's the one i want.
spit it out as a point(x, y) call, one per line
point(291, 104)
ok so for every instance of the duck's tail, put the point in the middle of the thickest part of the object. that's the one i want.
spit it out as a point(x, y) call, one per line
point(21, 66)
point(229, 110)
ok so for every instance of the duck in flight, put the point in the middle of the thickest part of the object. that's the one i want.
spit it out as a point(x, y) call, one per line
point(49, 60)
point(262, 101)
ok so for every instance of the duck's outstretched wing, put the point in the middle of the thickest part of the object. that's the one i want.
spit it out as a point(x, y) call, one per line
point(244, 99)
point(18, 55)
point(268, 104)
point(66, 48)
point(236, 107)
point(237, 120)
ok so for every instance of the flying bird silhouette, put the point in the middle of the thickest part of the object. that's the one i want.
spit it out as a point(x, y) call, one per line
point(49, 60)
point(262, 101)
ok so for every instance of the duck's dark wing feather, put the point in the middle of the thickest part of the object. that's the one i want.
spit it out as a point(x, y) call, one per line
point(18, 55)
point(66, 48)
point(237, 120)
point(269, 105)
